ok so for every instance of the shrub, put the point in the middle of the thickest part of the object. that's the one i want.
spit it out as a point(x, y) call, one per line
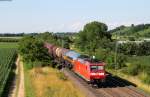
point(110, 61)
point(34, 52)
point(121, 60)
point(101, 54)
point(145, 78)
point(134, 69)
point(62, 76)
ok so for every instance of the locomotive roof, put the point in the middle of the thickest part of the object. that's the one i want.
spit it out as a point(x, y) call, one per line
point(88, 59)
point(72, 54)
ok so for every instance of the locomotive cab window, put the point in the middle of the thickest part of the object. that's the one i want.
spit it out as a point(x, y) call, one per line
point(95, 68)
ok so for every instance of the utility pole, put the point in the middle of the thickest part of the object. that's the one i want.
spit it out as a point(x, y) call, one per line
point(116, 51)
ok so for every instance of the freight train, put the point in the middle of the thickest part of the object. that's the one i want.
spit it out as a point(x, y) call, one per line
point(91, 70)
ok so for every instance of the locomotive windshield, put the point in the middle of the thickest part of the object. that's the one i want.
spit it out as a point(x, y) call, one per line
point(96, 68)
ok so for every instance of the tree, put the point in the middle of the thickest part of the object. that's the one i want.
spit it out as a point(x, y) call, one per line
point(66, 42)
point(33, 51)
point(95, 30)
point(91, 36)
point(144, 48)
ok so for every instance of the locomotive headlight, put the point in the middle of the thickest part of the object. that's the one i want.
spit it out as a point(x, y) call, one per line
point(100, 73)
point(93, 73)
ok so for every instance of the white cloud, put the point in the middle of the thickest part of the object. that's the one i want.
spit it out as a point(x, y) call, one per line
point(77, 26)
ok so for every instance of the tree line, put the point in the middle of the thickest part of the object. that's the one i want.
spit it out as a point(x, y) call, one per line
point(9, 40)
point(137, 31)
point(133, 48)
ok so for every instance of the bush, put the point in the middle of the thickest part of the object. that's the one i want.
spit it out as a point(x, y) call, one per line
point(145, 78)
point(134, 69)
point(135, 49)
point(109, 57)
point(34, 52)
point(62, 76)
point(101, 54)
point(110, 61)
point(121, 60)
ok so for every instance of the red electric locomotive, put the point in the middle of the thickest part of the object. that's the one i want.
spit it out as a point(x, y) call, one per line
point(91, 70)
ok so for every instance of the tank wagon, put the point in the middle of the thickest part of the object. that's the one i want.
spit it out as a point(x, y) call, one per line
point(92, 71)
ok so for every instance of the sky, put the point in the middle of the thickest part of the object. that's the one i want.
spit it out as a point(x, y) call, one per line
point(69, 15)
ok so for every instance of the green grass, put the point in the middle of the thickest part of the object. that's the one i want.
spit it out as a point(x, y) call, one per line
point(12, 37)
point(7, 53)
point(144, 60)
point(7, 59)
point(29, 91)
point(8, 45)
point(48, 82)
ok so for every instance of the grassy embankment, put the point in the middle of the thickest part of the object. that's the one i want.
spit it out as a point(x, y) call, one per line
point(133, 79)
point(48, 82)
point(138, 79)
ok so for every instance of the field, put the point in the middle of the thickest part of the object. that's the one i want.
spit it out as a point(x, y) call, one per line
point(49, 82)
point(7, 59)
point(12, 37)
point(8, 45)
point(144, 60)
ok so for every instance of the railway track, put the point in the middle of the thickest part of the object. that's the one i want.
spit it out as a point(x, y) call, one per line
point(114, 87)
point(130, 89)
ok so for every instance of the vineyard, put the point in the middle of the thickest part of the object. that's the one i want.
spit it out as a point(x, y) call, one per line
point(7, 59)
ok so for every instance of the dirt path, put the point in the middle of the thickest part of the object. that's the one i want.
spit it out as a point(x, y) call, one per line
point(21, 80)
point(13, 94)
point(18, 90)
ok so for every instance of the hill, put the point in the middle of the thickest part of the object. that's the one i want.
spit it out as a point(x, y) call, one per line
point(138, 31)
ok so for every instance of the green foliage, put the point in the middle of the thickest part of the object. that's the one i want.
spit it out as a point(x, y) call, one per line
point(9, 39)
point(139, 66)
point(7, 60)
point(109, 57)
point(95, 30)
point(147, 79)
point(33, 51)
point(66, 42)
point(135, 49)
point(144, 49)
point(117, 29)
point(110, 61)
point(48, 37)
point(142, 30)
point(8, 45)
point(131, 38)
point(101, 54)
point(62, 41)
point(144, 33)
point(121, 60)
point(93, 36)
point(28, 83)
point(134, 69)
point(62, 76)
